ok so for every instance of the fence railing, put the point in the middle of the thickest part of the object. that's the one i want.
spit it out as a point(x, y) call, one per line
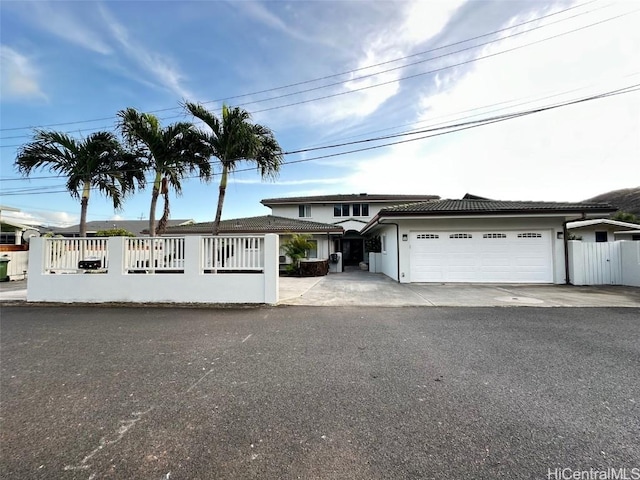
point(64, 254)
point(232, 254)
point(154, 254)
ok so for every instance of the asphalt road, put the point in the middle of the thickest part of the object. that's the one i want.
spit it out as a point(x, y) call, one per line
point(303, 392)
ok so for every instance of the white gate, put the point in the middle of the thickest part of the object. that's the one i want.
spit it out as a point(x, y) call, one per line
point(594, 263)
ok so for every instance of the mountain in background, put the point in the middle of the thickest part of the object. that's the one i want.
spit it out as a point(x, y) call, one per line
point(626, 200)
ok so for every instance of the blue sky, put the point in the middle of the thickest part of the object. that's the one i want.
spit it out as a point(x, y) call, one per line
point(78, 63)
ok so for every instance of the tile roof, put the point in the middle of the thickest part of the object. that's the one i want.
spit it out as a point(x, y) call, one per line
point(352, 197)
point(486, 207)
point(133, 226)
point(493, 206)
point(263, 224)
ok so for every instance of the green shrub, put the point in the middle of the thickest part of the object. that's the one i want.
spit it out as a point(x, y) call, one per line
point(296, 248)
point(114, 232)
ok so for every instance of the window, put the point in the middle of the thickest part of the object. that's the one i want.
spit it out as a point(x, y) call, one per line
point(360, 209)
point(601, 237)
point(341, 210)
point(635, 236)
point(304, 211)
point(313, 252)
point(427, 236)
point(460, 235)
point(529, 235)
point(494, 235)
point(383, 243)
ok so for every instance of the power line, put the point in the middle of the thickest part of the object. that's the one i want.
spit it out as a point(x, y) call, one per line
point(438, 132)
point(305, 82)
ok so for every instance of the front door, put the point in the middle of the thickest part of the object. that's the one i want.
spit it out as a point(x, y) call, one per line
point(352, 251)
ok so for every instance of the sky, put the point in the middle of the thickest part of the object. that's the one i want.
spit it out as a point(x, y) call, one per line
point(322, 73)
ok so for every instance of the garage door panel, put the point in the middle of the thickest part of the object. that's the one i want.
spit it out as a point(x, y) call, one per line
point(514, 257)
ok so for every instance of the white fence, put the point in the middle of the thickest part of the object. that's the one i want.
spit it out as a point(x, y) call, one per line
point(242, 269)
point(64, 254)
point(17, 266)
point(604, 263)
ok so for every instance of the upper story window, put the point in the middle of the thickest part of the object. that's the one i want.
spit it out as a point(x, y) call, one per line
point(304, 211)
point(360, 209)
point(341, 210)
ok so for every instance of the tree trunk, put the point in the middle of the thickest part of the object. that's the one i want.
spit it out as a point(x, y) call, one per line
point(84, 205)
point(164, 220)
point(223, 189)
point(154, 201)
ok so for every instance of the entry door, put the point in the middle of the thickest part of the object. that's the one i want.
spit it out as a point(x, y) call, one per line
point(482, 256)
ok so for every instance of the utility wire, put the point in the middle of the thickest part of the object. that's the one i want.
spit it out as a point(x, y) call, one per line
point(305, 82)
point(438, 132)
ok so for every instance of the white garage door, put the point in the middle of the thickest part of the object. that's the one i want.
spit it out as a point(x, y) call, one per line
point(490, 256)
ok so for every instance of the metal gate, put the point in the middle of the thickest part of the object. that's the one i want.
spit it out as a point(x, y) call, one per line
point(596, 263)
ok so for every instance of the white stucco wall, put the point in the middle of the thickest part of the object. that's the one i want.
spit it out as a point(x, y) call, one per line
point(588, 234)
point(192, 286)
point(323, 213)
point(389, 257)
point(406, 226)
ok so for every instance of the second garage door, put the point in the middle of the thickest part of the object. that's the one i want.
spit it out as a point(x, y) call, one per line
point(489, 256)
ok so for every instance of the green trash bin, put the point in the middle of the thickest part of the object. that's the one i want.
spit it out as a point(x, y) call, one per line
point(4, 261)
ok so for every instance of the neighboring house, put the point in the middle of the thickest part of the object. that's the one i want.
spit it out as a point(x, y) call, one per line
point(137, 227)
point(11, 231)
point(322, 234)
point(350, 212)
point(477, 240)
point(603, 230)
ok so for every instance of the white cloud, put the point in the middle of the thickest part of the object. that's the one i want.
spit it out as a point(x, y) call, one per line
point(567, 154)
point(160, 66)
point(19, 78)
point(64, 22)
point(39, 217)
point(262, 14)
point(418, 22)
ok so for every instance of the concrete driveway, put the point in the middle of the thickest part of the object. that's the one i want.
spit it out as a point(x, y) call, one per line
point(358, 288)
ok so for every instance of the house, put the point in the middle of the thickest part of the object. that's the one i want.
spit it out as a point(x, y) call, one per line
point(603, 230)
point(11, 231)
point(350, 212)
point(136, 227)
point(477, 240)
point(322, 234)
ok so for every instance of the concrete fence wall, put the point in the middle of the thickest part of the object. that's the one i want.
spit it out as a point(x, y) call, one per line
point(194, 282)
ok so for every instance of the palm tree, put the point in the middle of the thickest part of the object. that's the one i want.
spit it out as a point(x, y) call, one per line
point(171, 153)
point(234, 139)
point(97, 162)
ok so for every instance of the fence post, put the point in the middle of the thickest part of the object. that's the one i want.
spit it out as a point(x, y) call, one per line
point(192, 247)
point(576, 262)
point(115, 254)
point(271, 268)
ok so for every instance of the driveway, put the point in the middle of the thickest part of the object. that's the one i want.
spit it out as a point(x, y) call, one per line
point(317, 393)
point(356, 287)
